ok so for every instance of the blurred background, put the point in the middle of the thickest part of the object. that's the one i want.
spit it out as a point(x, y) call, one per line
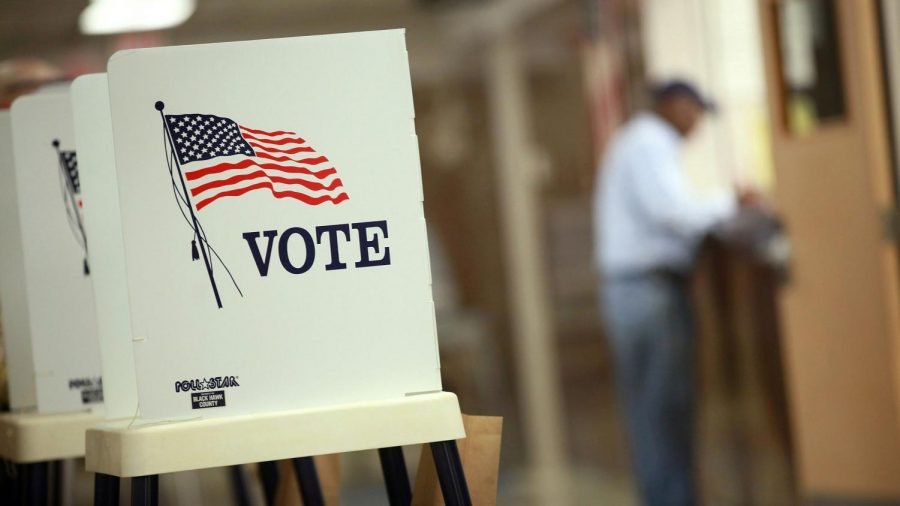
point(516, 101)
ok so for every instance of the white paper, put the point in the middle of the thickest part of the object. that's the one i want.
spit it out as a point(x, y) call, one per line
point(59, 294)
point(13, 307)
point(97, 170)
point(322, 337)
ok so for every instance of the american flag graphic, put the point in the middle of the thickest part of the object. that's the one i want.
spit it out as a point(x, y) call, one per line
point(221, 158)
point(70, 185)
point(69, 162)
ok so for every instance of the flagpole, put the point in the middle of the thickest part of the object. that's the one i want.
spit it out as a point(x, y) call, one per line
point(196, 224)
point(70, 191)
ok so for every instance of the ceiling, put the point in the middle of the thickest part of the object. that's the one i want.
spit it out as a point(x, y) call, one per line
point(442, 35)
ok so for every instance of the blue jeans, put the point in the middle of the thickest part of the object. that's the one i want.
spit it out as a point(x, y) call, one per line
point(649, 324)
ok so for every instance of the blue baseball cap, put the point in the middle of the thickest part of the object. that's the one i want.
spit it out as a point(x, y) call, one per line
point(667, 89)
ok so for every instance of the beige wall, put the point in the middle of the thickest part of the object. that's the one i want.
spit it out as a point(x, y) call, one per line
point(715, 43)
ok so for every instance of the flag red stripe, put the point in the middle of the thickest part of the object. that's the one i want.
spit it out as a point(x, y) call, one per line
point(301, 149)
point(263, 154)
point(277, 142)
point(310, 185)
point(243, 164)
point(263, 132)
point(307, 199)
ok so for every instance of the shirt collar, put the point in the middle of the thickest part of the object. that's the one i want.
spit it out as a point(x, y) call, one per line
point(664, 127)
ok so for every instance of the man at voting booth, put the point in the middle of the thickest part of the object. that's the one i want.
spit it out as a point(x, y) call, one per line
point(648, 226)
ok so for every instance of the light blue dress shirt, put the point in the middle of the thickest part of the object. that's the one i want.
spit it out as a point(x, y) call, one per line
point(645, 215)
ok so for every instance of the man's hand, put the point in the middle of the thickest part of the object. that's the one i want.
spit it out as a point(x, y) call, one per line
point(749, 197)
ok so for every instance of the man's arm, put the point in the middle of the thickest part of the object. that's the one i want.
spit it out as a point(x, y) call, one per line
point(664, 195)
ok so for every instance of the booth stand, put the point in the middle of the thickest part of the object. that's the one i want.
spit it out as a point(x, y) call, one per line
point(127, 449)
point(32, 441)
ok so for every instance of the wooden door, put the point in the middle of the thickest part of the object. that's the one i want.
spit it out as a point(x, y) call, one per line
point(839, 309)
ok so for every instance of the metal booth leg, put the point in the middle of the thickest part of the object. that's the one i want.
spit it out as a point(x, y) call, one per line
point(10, 483)
point(106, 490)
point(145, 490)
point(37, 484)
point(450, 473)
point(56, 470)
point(393, 466)
point(308, 479)
point(268, 474)
point(239, 486)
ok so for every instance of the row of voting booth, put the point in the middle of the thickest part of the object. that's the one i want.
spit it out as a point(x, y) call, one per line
point(215, 255)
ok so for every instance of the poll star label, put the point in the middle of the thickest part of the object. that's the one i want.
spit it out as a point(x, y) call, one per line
point(206, 384)
point(91, 389)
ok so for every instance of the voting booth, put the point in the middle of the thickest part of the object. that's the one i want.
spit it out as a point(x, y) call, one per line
point(97, 172)
point(275, 262)
point(61, 323)
point(55, 383)
point(16, 331)
point(215, 255)
point(49, 323)
point(274, 235)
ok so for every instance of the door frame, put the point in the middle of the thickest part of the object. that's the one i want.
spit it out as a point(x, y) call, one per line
point(865, 121)
point(889, 27)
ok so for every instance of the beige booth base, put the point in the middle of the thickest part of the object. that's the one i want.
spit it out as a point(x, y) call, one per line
point(116, 449)
point(32, 437)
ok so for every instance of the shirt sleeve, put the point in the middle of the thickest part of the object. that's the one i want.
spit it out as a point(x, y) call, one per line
point(663, 194)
